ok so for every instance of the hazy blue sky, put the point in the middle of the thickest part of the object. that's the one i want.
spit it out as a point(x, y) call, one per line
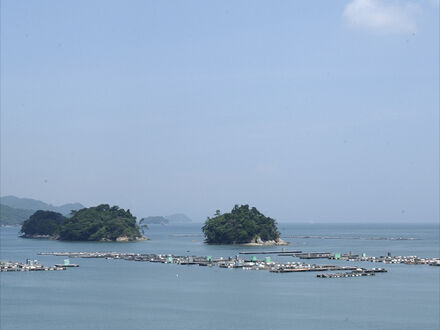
point(309, 110)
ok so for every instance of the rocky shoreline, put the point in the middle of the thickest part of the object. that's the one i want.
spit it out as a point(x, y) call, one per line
point(118, 239)
point(52, 237)
point(259, 242)
point(125, 239)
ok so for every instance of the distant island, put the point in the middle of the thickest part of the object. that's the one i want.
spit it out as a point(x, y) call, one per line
point(243, 225)
point(178, 217)
point(99, 223)
point(170, 219)
point(14, 210)
point(155, 220)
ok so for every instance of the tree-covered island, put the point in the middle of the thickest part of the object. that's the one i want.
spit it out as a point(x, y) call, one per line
point(243, 225)
point(99, 223)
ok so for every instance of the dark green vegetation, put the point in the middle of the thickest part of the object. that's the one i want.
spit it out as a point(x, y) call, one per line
point(242, 225)
point(155, 220)
point(14, 210)
point(99, 223)
point(46, 223)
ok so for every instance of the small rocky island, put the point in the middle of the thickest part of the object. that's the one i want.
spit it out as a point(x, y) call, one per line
point(99, 223)
point(243, 225)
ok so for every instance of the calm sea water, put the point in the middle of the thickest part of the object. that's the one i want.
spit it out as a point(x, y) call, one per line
point(118, 294)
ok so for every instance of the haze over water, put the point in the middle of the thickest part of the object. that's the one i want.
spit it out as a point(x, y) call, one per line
point(316, 112)
point(118, 294)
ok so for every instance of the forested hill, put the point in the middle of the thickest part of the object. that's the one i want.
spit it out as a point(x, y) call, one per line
point(99, 223)
point(242, 225)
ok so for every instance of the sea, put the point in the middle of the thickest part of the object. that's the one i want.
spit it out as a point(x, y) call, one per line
point(120, 294)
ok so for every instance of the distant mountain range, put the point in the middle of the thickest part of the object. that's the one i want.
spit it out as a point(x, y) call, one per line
point(15, 210)
point(174, 218)
point(13, 216)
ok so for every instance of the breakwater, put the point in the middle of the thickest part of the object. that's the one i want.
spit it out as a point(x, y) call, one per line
point(207, 261)
point(388, 259)
point(352, 238)
point(354, 273)
point(270, 252)
point(28, 266)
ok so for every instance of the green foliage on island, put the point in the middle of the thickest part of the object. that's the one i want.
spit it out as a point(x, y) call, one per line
point(46, 223)
point(241, 225)
point(99, 223)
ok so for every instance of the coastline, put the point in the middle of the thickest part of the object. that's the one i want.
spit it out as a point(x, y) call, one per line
point(120, 239)
point(259, 242)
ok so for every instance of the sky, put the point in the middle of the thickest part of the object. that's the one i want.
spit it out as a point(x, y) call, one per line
point(311, 111)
